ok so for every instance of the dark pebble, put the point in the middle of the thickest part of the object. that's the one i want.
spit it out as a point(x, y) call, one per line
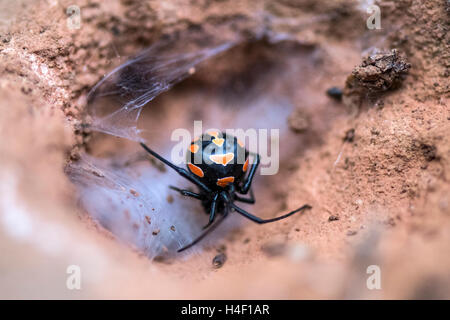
point(335, 93)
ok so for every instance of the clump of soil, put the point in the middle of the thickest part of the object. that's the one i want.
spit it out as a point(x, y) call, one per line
point(379, 72)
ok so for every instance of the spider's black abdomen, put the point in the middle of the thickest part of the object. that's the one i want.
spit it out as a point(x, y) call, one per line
point(218, 160)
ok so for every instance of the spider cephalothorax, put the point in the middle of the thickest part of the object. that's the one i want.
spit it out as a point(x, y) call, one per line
point(219, 165)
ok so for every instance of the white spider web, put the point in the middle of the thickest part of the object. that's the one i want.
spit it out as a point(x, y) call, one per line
point(116, 102)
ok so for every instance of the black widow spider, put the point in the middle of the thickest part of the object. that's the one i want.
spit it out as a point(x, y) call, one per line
point(217, 164)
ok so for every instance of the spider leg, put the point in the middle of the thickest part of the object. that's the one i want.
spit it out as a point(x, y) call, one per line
point(250, 200)
point(207, 231)
point(261, 221)
point(212, 211)
point(248, 181)
point(182, 172)
point(187, 193)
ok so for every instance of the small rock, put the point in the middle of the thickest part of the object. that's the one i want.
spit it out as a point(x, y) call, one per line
point(335, 93)
point(349, 135)
point(219, 260)
point(378, 73)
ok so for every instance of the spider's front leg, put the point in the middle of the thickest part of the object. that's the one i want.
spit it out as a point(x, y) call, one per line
point(207, 231)
point(187, 193)
point(182, 172)
point(248, 181)
point(212, 211)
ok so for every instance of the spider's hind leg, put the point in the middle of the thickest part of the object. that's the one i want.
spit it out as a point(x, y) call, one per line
point(256, 219)
point(248, 181)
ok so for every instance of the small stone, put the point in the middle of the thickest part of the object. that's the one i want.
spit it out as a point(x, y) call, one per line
point(335, 93)
point(349, 135)
point(333, 218)
point(219, 260)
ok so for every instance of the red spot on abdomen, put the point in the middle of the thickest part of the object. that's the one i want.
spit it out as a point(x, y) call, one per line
point(196, 170)
point(225, 181)
point(194, 148)
point(245, 167)
point(222, 159)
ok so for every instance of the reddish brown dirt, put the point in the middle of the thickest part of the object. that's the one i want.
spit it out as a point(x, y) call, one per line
point(379, 197)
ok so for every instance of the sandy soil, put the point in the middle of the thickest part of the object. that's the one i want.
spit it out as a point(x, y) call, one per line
point(375, 165)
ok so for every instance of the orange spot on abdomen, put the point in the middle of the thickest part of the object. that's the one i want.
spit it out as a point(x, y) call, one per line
point(218, 141)
point(194, 148)
point(225, 181)
point(196, 170)
point(245, 167)
point(214, 134)
point(222, 159)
